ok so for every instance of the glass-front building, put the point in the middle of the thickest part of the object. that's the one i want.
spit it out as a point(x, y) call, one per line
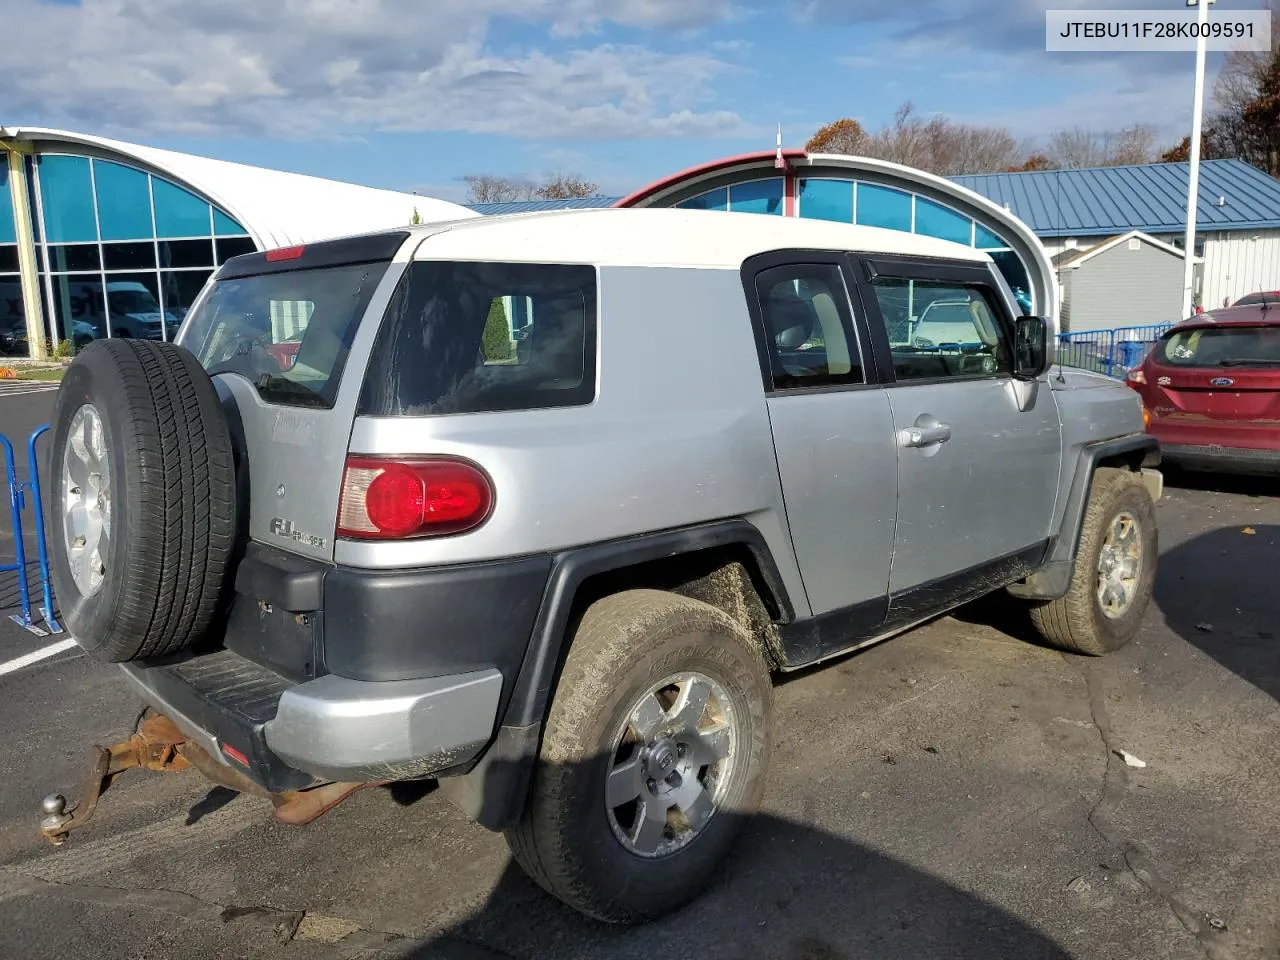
point(851, 200)
point(120, 251)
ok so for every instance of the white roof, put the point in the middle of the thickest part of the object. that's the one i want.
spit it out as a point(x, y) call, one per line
point(664, 236)
point(277, 208)
point(1122, 238)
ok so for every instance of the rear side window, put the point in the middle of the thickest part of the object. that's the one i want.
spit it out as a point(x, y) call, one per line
point(481, 337)
point(809, 330)
point(289, 332)
point(1221, 347)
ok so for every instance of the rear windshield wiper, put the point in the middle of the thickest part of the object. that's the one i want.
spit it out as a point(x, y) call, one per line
point(1242, 362)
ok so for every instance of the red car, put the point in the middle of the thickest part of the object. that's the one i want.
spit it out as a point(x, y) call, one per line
point(1211, 390)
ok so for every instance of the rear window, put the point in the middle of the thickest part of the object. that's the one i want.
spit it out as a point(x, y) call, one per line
point(482, 337)
point(1221, 347)
point(289, 333)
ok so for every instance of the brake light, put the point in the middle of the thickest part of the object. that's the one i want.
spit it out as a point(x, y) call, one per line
point(1137, 376)
point(385, 499)
point(284, 253)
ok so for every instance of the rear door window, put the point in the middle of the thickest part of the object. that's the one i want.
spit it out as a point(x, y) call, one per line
point(1221, 347)
point(289, 332)
point(471, 337)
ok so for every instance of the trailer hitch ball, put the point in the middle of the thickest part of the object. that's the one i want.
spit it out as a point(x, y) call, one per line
point(54, 808)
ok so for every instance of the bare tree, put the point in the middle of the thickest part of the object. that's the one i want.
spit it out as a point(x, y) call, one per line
point(562, 186)
point(1081, 147)
point(942, 146)
point(1244, 123)
point(487, 188)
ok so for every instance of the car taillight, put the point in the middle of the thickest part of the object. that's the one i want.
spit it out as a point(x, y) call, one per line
point(1137, 376)
point(385, 499)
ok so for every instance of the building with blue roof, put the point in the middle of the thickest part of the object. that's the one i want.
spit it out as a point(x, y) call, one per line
point(1074, 212)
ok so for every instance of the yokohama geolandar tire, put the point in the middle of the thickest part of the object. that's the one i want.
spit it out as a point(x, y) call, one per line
point(652, 759)
point(1115, 569)
point(141, 510)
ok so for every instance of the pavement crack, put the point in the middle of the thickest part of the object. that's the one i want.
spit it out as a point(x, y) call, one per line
point(1138, 860)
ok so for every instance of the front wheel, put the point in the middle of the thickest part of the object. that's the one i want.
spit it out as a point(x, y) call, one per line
point(654, 755)
point(1115, 569)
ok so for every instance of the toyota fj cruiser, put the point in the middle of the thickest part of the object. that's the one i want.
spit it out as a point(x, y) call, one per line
point(536, 506)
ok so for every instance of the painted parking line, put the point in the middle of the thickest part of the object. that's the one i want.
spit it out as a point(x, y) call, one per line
point(22, 389)
point(35, 656)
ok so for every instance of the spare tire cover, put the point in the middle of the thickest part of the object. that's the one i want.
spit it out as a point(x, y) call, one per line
point(141, 500)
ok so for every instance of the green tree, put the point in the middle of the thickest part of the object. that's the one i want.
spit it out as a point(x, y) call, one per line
point(497, 333)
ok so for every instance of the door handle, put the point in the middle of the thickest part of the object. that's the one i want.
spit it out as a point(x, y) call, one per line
point(924, 436)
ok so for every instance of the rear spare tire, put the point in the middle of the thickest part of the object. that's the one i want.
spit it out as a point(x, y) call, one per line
point(142, 499)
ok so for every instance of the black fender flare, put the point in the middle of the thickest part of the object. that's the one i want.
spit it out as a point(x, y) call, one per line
point(1052, 580)
point(493, 791)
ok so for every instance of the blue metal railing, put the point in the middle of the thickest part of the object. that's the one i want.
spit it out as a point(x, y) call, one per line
point(1112, 352)
point(18, 490)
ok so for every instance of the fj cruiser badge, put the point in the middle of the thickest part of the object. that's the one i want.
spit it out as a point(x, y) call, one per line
point(285, 528)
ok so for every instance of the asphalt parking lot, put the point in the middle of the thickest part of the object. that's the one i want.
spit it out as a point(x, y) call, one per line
point(952, 793)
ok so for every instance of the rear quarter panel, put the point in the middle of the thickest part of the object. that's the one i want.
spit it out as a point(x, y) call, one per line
point(678, 435)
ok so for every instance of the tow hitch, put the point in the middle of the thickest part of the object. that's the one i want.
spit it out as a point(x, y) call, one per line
point(159, 745)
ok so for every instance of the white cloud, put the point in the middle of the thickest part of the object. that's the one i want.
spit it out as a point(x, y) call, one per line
point(985, 47)
point(318, 68)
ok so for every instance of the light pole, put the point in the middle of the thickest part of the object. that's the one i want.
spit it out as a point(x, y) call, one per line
point(1193, 187)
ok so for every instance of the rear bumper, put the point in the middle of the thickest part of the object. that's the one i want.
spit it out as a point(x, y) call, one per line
point(1214, 459)
point(287, 736)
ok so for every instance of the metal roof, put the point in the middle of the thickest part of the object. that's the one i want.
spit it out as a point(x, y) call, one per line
point(1093, 201)
point(1150, 197)
point(534, 206)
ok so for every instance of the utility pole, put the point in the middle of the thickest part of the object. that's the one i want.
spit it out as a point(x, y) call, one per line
point(1193, 186)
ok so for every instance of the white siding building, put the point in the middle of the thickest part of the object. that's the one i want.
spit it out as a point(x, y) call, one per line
point(1237, 219)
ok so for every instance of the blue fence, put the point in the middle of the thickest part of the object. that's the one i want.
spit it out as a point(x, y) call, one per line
point(1113, 352)
point(19, 489)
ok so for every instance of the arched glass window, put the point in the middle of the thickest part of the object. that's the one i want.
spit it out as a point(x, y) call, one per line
point(753, 196)
point(935, 220)
point(711, 200)
point(823, 199)
point(13, 317)
point(883, 207)
point(8, 234)
point(757, 196)
point(873, 205)
point(124, 252)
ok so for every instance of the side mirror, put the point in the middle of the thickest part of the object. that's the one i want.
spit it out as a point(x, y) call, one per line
point(1030, 347)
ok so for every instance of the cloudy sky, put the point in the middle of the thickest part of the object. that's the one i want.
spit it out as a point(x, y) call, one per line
point(412, 94)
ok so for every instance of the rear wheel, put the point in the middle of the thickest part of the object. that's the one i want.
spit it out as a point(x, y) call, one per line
point(1114, 570)
point(654, 754)
point(142, 497)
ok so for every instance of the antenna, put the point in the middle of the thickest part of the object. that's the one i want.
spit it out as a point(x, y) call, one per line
point(778, 162)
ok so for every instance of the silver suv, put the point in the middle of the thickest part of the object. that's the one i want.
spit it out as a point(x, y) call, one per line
point(537, 505)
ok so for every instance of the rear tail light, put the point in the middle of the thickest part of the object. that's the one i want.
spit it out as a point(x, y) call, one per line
point(1137, 376)
point(385, 499)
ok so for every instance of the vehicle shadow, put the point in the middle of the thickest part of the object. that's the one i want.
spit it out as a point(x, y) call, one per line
point(1218, 592)
point(786, 891)
point(1243, 485)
